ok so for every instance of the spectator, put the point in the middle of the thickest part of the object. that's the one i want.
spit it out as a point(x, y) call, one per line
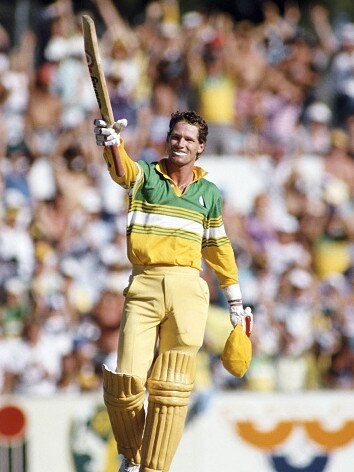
point(216, 90)
point(14, 307)
point(16, 244)
point(34, 364)
point(342, 76)
point(314, 138)
point(43, 114)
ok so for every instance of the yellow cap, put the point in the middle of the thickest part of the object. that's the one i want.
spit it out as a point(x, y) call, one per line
point(237, 354)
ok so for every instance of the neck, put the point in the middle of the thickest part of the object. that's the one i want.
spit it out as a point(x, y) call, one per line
point(182, 179)
point(179, 174)
point(183, 186)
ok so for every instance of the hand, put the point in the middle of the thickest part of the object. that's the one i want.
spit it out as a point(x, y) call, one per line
point(241, 316)
point(108, 136)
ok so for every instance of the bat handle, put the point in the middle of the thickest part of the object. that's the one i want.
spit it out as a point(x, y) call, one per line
point(248, 326)
point(117, 160)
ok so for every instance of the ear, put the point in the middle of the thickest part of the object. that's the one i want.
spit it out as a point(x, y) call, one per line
point(201, 148)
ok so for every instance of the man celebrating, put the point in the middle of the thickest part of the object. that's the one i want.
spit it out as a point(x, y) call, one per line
point(174, 220)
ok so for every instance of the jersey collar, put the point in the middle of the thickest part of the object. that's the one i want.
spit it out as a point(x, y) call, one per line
point(198, 172)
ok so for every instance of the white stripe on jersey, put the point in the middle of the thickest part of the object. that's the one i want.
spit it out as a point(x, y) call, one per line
point(215, 233)
point(165, 221)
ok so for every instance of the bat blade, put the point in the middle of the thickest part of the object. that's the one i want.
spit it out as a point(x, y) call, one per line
point(98, 80)
point(95, 68)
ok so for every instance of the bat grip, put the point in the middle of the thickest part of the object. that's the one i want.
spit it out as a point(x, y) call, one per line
point(248, 325)
point(117, 160)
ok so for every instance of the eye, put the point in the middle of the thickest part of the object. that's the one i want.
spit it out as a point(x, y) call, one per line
point(189, 139)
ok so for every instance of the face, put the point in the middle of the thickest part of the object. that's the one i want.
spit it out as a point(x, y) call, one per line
point(183, 144)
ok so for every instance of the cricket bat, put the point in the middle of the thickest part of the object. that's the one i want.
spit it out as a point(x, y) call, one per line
point(95, 68)
point(98, 79)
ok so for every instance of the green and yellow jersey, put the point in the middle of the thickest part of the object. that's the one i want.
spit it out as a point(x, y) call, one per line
point(167, 227)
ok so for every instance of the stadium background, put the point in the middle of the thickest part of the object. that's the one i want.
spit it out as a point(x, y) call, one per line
point(312, 383)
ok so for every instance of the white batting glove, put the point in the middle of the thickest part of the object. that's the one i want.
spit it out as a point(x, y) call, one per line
point(108, 136)
point(238, 315)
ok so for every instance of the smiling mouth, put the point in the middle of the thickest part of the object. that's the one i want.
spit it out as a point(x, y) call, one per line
point(179, 153)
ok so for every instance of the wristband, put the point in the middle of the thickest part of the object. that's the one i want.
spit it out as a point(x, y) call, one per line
point(233, 293)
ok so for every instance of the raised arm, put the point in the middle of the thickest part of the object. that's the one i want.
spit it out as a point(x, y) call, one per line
point(115, 24)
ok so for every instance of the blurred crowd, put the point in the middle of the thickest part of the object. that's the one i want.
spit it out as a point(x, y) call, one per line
point(277, 94)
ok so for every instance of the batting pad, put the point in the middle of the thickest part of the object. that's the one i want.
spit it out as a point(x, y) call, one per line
point(170, 386)
point(124, 396)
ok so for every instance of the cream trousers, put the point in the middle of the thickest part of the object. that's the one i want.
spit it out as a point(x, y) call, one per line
point(166, 308)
